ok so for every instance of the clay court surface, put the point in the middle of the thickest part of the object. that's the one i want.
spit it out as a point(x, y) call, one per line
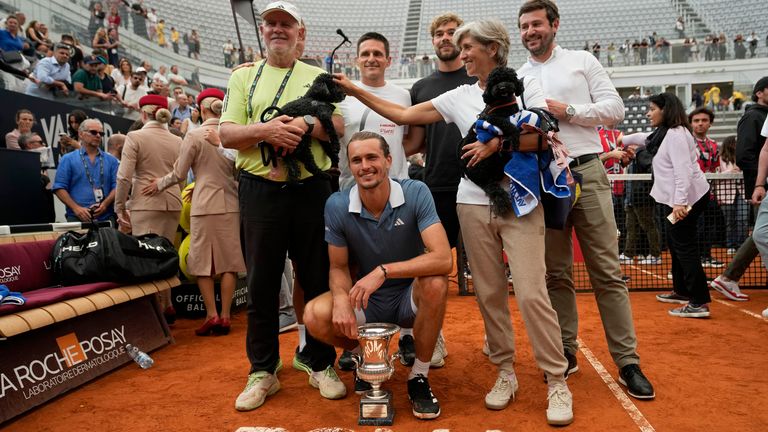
point(709, 375)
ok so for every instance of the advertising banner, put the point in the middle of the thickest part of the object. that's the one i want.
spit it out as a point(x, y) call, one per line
point(41, 364)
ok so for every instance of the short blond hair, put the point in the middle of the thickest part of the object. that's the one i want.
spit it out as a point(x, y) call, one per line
point(487, 32)
point(444, 19)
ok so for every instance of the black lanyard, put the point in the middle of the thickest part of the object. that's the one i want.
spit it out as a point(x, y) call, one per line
point(88, 173)
point(249, 108)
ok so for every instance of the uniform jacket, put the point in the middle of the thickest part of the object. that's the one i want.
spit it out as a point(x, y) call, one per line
point(215, 185)
point(148, 153)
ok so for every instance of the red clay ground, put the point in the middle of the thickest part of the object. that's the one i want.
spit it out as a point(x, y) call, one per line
point(709, 375)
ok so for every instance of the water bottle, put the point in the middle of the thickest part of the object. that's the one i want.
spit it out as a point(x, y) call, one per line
point(140, 357)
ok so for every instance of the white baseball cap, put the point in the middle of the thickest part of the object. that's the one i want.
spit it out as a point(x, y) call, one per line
point(284, 6)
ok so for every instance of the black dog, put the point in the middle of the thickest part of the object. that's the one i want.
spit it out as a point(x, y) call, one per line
point(317, 102)
point(499, 96)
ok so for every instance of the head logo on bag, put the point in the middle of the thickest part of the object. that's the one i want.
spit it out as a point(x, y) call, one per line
point(78, 248)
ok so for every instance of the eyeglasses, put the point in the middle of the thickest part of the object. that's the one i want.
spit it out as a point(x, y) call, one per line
point(95, 132)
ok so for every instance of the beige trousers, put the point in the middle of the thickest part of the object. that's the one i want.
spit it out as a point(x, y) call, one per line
point(485, 236)
point(592, 218)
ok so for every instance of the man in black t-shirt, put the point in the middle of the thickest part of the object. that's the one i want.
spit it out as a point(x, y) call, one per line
point(76, 54)
point(440, 140)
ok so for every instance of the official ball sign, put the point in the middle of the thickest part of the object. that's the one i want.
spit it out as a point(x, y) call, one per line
point(188, 301)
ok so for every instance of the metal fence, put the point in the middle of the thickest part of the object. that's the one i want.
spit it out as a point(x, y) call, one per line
point(645, 260)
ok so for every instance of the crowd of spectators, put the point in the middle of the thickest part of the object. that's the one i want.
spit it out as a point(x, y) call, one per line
point(94, 76)
point(147, 23)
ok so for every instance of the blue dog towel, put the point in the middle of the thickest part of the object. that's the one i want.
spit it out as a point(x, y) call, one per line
point(530, 175)
point(10, 297)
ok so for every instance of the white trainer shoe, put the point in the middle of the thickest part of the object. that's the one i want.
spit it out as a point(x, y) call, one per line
point(502, 392)
point(560, 409)
point(765, 313)
point(728, 288)
point(439, 354)
point(260, 385)
point(329, 383)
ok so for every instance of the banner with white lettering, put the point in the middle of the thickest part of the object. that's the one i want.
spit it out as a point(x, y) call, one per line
point(41, 364)
point(51, 118)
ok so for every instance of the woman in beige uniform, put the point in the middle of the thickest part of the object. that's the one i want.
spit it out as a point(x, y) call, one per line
point(215, 246)
point(149, 153)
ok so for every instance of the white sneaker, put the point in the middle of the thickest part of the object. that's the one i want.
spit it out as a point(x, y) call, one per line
point(439, 354)
point(260, 385)
point(650, 260)
point(728, 288)
point(765, 313)
point(504, 390)
point(623, 259)
point(329, 383)
point(560, 409)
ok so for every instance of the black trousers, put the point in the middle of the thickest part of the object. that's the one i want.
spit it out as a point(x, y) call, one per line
point(688, 278)
point(445, 205)
point(278, 218)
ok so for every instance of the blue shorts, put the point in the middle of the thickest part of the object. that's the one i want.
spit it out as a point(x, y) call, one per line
point(394, 305)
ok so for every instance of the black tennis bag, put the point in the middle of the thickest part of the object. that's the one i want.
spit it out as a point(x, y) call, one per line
point(106, 254)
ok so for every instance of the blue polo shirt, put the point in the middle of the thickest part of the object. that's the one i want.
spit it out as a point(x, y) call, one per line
point(71, 176)
point(395, 236)
point(8, 42)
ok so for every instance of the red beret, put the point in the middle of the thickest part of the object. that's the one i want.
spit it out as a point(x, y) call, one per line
point(210, 92)
point(153, 99)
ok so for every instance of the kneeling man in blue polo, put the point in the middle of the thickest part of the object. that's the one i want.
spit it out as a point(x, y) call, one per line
point(389, 232)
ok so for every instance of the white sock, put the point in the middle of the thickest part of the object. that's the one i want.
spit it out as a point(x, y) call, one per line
point(419, 368)
point(302, 336)
point(406, 332)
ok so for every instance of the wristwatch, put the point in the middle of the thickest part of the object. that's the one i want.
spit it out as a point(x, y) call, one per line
point(310, 121)
point(570, 111)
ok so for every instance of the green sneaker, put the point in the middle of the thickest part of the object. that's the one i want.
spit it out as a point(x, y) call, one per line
point(301, 362)
point(279, 366)
point(329, 383)
point(260, 385)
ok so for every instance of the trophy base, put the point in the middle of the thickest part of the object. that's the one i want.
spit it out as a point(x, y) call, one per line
point(376, 412)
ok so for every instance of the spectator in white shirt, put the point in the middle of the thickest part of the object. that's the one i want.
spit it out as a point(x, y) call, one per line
point(130, 94)
point(175, 78)
point(160, 75)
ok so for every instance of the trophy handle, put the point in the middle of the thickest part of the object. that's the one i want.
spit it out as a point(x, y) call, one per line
point(394, 357)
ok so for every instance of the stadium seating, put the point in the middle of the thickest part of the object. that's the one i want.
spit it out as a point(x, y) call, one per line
point(585, 20)
point(731, 18)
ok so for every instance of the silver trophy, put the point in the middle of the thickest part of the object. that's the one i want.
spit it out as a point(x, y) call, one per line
point(376, 366)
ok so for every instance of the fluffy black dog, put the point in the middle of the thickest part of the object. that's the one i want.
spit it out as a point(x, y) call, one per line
point(317, 102)
point(499, 96)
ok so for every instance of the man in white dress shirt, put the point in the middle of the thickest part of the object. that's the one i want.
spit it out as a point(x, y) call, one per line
point(580, 94)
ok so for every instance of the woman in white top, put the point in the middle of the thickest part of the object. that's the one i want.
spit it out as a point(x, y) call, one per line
point(122, 74)
point(679, 185)
point(484, 45)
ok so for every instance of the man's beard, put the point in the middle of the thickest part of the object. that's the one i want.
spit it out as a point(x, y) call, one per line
point(546, 42)
point(447, 57)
